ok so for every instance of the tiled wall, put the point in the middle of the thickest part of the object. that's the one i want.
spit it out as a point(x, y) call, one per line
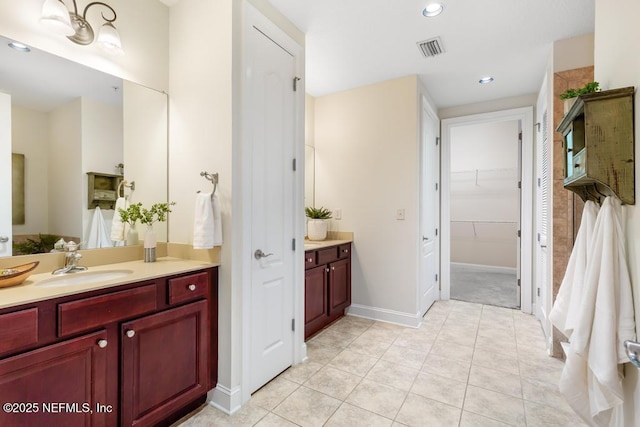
point(567, 206)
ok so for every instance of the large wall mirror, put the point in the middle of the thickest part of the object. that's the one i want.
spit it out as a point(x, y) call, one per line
point(68, 120)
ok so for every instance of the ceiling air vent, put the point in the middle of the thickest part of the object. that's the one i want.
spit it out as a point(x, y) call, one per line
point(431, 47)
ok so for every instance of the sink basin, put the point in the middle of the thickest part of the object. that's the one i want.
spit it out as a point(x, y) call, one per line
point(86, 277)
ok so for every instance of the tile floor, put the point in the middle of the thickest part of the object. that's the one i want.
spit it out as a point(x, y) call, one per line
point(469, 365)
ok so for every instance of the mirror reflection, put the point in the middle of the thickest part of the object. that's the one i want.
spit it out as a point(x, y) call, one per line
point(69, 125)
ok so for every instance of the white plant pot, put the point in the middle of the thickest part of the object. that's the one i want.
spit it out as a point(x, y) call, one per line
point(317, 229)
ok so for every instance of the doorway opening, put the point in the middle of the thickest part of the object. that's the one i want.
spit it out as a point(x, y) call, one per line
point(487, 202)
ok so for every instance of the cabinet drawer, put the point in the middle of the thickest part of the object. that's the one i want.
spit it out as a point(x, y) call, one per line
point(97, 311)
point(188, 287)
point(325, 256)
point(18, 329)
point(309, 260)
point(344, 251)
point(579, 167)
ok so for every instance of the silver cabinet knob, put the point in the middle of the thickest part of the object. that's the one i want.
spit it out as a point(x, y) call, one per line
point(258, 254)
point(4, 239)
point(346, 251)
point(309, 259)
point(192, 287)
point(327, 269)
point(102, 343)
point(131, 333)
point(333, 268)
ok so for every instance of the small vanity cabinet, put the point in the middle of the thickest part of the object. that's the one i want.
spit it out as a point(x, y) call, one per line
point(138, 354)
point(598, 145)
point(327, 286)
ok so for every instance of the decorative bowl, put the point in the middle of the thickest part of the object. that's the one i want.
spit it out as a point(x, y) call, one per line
point(16, 275)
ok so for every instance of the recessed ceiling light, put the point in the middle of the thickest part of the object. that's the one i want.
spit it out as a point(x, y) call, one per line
point(19, 47)
point(485, 80)
point(432, 9)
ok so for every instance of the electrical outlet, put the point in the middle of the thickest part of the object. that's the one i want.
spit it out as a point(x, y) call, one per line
point(400, 214)
point(337, 214)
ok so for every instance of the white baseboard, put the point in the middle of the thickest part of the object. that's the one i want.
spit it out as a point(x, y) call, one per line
point(385, 315)
point(225, 399)
point(487, 267)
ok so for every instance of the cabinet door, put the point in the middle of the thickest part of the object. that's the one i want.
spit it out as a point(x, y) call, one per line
point(164, 363)
point(58, 385)
point(339, 286)
point(315, 300)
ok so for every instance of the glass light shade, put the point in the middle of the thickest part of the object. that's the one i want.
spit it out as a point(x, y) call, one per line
point(432, 9)
point(55, 16)
point(109, 39)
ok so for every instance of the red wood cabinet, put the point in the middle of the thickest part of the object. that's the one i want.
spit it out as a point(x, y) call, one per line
point(327, 286)
point(92, 359)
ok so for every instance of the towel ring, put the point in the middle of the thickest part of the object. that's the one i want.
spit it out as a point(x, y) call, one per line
point(213, 178)
point(124, 183)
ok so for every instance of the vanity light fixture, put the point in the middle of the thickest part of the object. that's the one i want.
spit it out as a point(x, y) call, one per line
point(60, 20)
point(432, 9)
point(19, 47)
point(485, 80)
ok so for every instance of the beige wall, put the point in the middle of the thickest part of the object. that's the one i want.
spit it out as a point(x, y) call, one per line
point(576, 52)
point(487, 107)
point(617, 65)
point(367, 164)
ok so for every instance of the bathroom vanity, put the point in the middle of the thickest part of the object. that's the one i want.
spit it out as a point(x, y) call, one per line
point(327, 284)
point(141, 351)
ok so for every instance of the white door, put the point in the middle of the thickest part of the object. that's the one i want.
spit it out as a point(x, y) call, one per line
point(430, 209)
point(270, 73)
point(542, 305)
point(5, 175)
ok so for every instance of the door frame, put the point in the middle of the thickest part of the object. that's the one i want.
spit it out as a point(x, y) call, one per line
point(525, 116)
point(242, 250)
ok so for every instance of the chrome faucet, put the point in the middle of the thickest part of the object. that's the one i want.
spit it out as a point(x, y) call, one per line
point(71, 257)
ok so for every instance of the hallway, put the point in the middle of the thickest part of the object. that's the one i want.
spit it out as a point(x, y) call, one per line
point(468, 365)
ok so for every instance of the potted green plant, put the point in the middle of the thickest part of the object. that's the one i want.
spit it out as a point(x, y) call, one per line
point(130, 216)
point(569, 96)
point(157, 213)
point(317, 223)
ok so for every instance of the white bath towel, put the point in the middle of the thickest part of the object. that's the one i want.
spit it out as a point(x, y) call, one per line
point(98, 234)
point(566, 308)
point(217, 221)
point(591, 380)
point(117, 226)
point(203, 223)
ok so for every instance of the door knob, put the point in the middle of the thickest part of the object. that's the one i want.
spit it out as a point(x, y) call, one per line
point(258, 254)
point(633, 351)
point(4, 239)
point(425, 239)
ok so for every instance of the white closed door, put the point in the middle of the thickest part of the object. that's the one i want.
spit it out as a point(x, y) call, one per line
point(270, 73)
point(430, 210)
point(5, 175)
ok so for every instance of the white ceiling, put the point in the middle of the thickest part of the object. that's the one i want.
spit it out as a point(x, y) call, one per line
point(351, 43)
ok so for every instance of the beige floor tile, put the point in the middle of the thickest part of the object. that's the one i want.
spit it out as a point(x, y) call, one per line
point(348, 326)
point(321, 354)
point(379, 334)
point(272, 394)
point(503, 347)
point(333, 382)
point(379, 398)
point(547, 416)
point(247, 416)
point(369, 347)
point(544, 393)
point(334, 338)
point(405, 356)
point(546, 373)
point(451, 368)
point(352, 362)
point(494, 405)
point(445, 349)
point(301, 372)
point(349, 415)
point(528, 352)
point(498, 334)
point(273, 420)
point(470, 419)
point(456, 338)
point(392, 374)
point(494, 380)
point(307, 407)
point(387, 326)
point(419, 411)
point(439, 388)
point(419, 340)
point(499, 361)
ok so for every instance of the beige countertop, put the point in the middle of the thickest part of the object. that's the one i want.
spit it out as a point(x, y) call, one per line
point(33, 289)
point(310, 245)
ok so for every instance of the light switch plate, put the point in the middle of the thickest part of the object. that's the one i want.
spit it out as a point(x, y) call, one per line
point(337, 214)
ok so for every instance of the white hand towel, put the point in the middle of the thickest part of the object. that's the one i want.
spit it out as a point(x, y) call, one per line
point(98, 234)
point(217, 222)
point(203, 224)
point(117, 226)
point(591, 380)
point(566, 308)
